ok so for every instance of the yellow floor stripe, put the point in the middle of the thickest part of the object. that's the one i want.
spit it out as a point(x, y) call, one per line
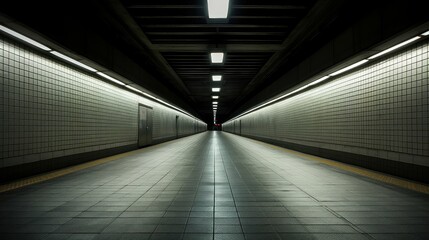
point(64, 171)
point(382, 177)
point(407, 184)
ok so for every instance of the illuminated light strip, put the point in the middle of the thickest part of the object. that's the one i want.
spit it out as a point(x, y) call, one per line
point(395, 47)
point(318, 81)
point(24, 38)
point(133, 88)
point(71, 60)
point(110, 78)
point(75, 62)
point(334, 74)
point(354, 65)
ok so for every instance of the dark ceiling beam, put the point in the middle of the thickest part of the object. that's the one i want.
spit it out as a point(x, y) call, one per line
point(270, 7)
point(217, 33)
point(116, 7)
point(318, 16)
point(283, 26)
point(263, 17)
point(229, 47)
point(184, 6)
point(170, 17)
point(204, 17)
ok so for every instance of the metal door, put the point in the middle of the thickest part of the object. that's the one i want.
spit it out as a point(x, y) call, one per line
point(177, 126)
point(145, 125)
point(239, 127)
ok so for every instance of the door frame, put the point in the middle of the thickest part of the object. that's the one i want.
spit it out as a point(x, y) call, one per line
point(138, 124)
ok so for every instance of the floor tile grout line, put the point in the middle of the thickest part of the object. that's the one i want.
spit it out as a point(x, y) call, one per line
point(190, 212)
point(323, 205)
point(368, 173)
point(214, 189)
point(232, 194)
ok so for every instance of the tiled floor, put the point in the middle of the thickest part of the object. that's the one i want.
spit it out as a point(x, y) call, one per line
point(213, 186)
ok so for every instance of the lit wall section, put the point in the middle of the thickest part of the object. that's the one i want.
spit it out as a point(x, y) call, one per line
point(50, 110)
point(379, 110)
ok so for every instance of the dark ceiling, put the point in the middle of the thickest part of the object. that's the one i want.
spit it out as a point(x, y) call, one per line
point(182, 33)
point(172, 40)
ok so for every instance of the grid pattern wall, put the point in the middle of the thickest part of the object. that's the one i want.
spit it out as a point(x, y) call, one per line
point(50, 110)
point(164, 123)
point(380, 110)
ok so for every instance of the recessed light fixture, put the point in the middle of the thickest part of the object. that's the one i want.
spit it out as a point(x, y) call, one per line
point(217, 78)
point(349, 67)
point(216, 57)
point(395, 47)
point(318, 80)
point(218, 8)
point(24, 38)
point(133, 88)
point(425, 33)
point(71, 60)
point(214, 102)
point(215, 89)
point(110, 78)
point(215, 97)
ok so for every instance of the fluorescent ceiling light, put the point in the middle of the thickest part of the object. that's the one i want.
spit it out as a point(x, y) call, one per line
point(425, 33)
point(217, 78)
point(214, 102)
point(318, 80)
point(349, 67)
point(110, 78)
point(394, 47)
point(71, 60)
point(217, 57)
point(218, 8)
point(136, 90)
point(23, 38)
point(215, 89)
point(215, 97)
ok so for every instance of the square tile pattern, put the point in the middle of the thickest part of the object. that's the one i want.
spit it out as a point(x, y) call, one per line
point(49, 109)
point(213, 185)
point(380, 110)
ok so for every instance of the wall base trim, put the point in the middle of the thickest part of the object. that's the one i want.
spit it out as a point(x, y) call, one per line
point(28, 169)
point(400, 169)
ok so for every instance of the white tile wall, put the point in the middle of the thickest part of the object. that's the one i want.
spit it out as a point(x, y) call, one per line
point(49, 109)
point(380, 110)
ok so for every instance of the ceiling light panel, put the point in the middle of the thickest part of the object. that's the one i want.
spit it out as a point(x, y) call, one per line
point(215, 89)
point(217, 78)
point(218, 9)
point(216, 57)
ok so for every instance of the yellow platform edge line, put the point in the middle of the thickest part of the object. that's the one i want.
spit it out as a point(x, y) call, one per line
point(379, 176)
point(64, 171)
